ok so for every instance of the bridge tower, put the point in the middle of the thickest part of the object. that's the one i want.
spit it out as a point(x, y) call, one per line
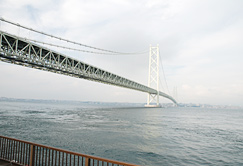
point(153, 77)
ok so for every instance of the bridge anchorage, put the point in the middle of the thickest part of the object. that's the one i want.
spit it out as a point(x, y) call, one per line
point(21, 51)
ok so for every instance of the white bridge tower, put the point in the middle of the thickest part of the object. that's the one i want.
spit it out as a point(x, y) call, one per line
point(153, 77)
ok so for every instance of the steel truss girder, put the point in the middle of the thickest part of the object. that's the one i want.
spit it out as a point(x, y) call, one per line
point(16, 50)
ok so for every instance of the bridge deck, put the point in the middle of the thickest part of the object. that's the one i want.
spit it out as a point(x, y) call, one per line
point(20, 51)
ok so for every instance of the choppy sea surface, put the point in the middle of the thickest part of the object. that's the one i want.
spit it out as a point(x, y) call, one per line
point(145, 136)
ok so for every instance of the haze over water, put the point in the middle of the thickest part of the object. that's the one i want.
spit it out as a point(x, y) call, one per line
point(155, 136)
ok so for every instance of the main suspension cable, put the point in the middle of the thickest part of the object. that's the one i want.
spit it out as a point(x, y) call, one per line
point(75, 49)
point(69, 41)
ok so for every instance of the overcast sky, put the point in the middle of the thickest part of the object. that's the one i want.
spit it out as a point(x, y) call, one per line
point(201, 44)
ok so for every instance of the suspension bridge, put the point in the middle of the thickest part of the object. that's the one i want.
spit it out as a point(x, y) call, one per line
point(22, 51)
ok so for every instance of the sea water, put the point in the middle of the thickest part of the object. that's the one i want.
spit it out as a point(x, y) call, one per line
point(129, 133)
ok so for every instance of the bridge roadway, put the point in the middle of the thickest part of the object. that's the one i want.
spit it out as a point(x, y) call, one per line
point(20, 51)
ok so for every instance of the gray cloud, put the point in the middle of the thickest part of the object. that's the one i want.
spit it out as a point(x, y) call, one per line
point(200, 43)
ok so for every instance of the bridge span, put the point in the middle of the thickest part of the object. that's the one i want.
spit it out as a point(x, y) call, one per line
point(17, 50)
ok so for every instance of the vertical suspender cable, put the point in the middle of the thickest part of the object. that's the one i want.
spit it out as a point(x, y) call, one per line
point(164, 74)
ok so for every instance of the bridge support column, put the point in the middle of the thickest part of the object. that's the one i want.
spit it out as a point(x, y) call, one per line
point(153, 77)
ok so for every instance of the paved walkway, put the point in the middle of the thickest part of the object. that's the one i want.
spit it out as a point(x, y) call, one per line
point(5, 163)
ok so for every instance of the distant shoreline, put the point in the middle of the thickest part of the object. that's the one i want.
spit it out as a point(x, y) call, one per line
point(118, 103)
